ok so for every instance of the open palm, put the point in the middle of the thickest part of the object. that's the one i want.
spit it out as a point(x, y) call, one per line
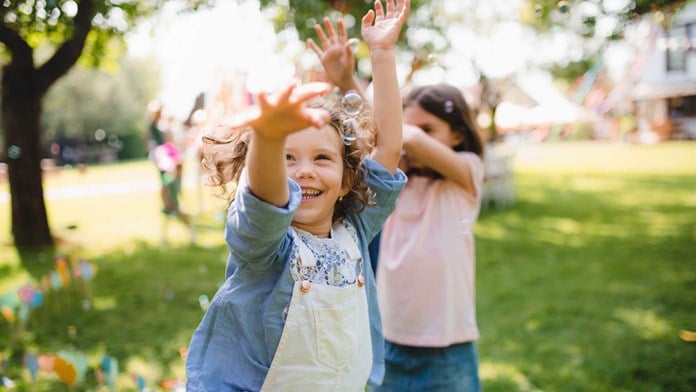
point(334, 53)
point(380, 29)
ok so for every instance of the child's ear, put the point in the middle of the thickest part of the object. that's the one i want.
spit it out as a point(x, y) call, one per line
point(344, 191)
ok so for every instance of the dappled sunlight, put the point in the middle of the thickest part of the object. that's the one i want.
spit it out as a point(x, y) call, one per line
point(103, 303)
point(560, 231)
point(490, 231)
point(598, 157)
point(649, 196)
point(596, 184)
point(140, 369)
point(645, 323)
point(658, 224)
point(507, 375)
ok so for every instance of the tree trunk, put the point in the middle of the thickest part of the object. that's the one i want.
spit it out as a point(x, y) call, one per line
point(21, 112)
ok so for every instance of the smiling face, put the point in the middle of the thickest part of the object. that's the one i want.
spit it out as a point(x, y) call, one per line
point(314, 160)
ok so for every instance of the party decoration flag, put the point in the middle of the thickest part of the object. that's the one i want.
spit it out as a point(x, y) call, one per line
point(62, 268)
point(8, 313)
point(30, 295)
point(56, 280)
point(78, 361)
point(31, 362)
point(110, 366)
point(65, 370)
point(85, 270)
point(46, 362)
point(139, 381)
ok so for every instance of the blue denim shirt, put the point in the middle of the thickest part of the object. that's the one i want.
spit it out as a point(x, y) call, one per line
point(232, 348)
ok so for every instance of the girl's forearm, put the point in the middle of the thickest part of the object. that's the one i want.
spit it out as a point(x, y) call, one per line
point(352, 84)
point(387, 108)
point(266, 172)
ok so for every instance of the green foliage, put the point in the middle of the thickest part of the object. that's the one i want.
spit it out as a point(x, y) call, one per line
point(581, 16)
point(572, 70)
point(53, 22)
point(87, 99)
point(303, 15)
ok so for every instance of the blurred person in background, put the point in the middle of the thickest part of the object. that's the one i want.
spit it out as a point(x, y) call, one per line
point(168, 159)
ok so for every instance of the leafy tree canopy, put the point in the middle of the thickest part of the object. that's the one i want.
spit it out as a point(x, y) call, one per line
point(50, 23)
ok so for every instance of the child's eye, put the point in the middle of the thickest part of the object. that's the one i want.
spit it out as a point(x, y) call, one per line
point(289, 157)
point(323, 157)
point(426, 129)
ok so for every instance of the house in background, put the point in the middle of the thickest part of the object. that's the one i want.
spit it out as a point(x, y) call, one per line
point(664, 95)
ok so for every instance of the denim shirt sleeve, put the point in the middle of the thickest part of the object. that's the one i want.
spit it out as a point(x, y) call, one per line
point(385, 188)
point(255, 229)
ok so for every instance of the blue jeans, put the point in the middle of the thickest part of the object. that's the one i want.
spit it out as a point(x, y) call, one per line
point(451, 369)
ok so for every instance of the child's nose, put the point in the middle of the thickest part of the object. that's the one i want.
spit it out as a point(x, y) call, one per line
point(305, 170)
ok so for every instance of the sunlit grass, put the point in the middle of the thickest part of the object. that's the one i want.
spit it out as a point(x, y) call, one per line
point(586, 282)
point(582, 285)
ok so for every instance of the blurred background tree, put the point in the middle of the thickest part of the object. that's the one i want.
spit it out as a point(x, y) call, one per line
point(594, 23)
point(42, 41)
point(102, 107)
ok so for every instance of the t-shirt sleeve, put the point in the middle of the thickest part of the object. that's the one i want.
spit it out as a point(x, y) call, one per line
point(255, 229)
point(477, 172)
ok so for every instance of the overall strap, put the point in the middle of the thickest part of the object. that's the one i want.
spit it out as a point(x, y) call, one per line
point(346, 240)
point(307, 258)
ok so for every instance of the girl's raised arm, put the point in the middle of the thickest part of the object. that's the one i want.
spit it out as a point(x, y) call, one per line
point(278, 116)
point(380, 30)
point(336, 55)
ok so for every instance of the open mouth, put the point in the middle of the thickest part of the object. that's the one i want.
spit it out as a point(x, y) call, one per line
point(308, 194)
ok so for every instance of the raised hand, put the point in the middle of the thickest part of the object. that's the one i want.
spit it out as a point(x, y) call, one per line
point(380, 29)
point(335, 53)
point(286, 111)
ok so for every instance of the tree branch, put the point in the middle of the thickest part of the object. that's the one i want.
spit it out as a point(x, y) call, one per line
point(22, 54)
point(70, 51)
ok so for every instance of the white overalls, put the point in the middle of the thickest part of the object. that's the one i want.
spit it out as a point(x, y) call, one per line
point(325, 344)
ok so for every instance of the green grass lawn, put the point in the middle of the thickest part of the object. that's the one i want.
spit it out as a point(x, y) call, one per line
point(582, 285)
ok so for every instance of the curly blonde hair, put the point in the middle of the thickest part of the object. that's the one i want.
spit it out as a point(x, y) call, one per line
point(225, 149)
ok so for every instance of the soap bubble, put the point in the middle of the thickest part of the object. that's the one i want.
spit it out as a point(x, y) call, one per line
point(352, 102)
point(354, 43)
point(563, 7)
point(203, 302)
point(349, 131)
point(538, 10)
point(13, 152)
point(465, 225)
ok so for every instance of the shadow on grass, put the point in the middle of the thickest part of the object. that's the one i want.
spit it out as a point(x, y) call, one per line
point(144, 307)
point(583, 287)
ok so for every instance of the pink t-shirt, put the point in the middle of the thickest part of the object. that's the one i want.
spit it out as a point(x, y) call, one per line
point(426, 270)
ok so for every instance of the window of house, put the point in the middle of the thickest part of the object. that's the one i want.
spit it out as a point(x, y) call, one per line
point(678, 40)
point(682, 107)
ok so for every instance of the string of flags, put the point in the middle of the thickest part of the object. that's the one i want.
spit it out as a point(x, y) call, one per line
point(70, 366)
point(16, 305)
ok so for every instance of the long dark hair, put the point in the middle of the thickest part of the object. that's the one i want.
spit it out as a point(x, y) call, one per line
point(447, 103)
